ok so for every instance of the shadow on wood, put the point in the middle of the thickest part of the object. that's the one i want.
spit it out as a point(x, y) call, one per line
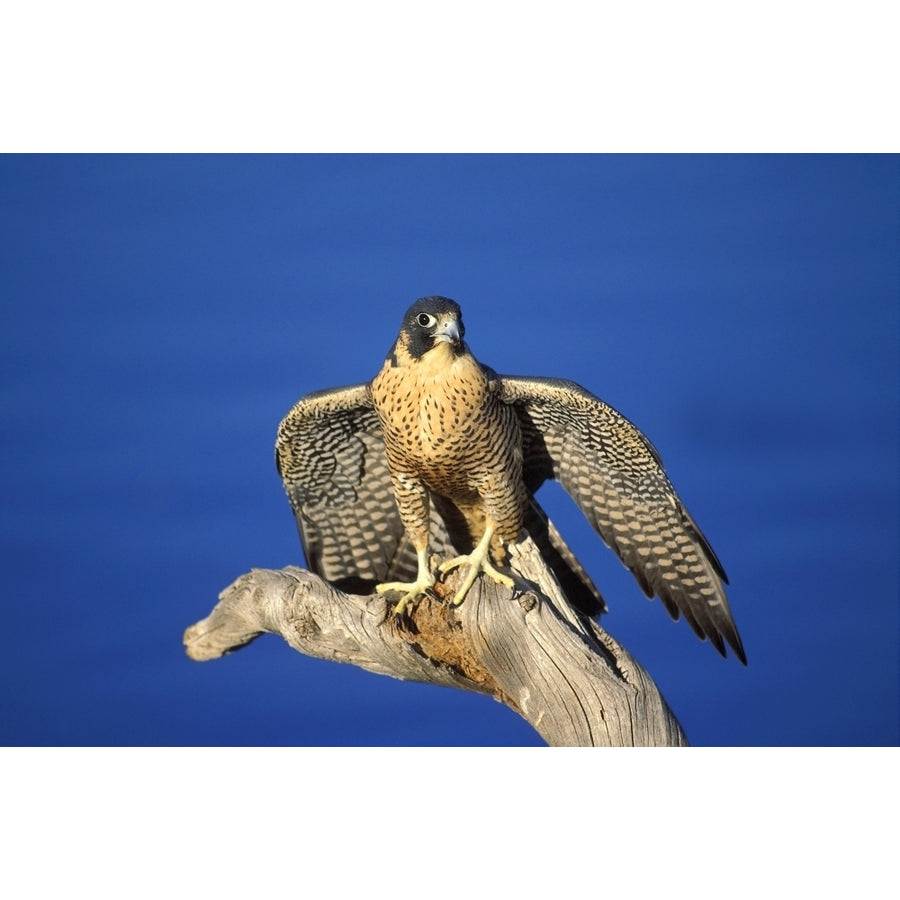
point(527, 648)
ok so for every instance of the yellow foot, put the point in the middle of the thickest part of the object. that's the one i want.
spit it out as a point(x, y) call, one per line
point(478, 561)
point(413, 590)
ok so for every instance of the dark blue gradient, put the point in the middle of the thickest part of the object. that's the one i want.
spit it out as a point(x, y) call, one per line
point(160, 314)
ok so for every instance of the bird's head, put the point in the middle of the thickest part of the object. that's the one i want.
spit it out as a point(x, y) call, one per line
point(430, 322)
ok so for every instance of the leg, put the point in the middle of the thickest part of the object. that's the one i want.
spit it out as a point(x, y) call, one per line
point(412, 504)
point(414, 589)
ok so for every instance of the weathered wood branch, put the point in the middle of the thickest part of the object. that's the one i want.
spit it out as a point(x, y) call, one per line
point(526, 648)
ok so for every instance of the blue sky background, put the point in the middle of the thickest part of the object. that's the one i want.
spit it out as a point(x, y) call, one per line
point(160, 314)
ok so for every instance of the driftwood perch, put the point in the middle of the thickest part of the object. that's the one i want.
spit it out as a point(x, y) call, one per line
point(526, 648)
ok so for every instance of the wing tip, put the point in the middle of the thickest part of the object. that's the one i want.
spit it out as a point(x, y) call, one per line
point(706, 627)
point(738, 649)
point(734, 642)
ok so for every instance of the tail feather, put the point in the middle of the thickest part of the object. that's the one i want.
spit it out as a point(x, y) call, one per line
point(575, 582)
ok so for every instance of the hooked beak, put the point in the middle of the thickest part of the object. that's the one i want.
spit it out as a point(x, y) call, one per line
point(448, 331)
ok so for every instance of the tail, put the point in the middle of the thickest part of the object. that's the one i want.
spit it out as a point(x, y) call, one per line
point(575, 582)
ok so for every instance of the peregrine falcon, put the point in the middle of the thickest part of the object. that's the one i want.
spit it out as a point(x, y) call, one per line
point(440, 454)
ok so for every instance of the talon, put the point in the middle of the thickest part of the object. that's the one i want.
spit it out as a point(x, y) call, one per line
point(413, 591)
point(478, 561)
point(402, 618)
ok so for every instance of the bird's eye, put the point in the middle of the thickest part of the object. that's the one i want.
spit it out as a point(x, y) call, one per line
point(425, 320)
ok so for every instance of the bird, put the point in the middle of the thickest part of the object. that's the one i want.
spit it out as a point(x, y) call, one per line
point(439, 455)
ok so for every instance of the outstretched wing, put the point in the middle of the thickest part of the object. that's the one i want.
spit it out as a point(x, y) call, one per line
point(616, 477)
point(330, 454)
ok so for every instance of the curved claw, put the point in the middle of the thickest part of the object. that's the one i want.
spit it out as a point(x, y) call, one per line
point(403, 610)
point(413, 591)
